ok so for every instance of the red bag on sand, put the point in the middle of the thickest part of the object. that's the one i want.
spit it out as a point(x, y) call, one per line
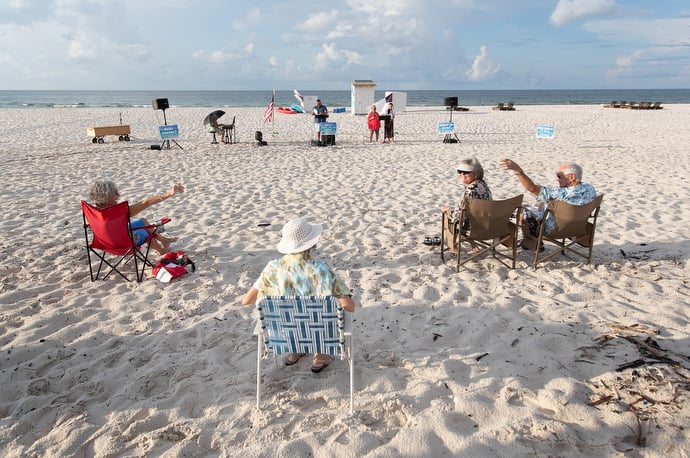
point(172, 265)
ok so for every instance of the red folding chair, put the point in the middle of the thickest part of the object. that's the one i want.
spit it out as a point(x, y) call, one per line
point(112, 235)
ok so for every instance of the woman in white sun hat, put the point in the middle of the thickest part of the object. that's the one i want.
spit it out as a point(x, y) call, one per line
point(300, 273)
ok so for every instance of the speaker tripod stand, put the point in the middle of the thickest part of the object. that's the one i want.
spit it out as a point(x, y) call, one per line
point(166, 142)
point(451, 138)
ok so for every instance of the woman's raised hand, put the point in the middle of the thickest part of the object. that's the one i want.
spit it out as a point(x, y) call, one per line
point(177, 187)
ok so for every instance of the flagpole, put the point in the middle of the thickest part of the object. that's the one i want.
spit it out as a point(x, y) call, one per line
point(273, 111)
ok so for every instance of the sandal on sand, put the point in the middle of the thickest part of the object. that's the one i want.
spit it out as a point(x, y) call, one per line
point(293, 358)
point(320, 363)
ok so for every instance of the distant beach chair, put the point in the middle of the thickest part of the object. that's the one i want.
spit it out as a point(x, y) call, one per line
point(574, 226)
point(229, 132)
point(656, 106)
point(613, 104)
point(303, 324)
point(510, 107)
point(112, 235)
point(493, 226)
point(499, 106)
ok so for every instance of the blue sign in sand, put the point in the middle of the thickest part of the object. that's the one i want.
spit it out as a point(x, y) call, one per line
point(170, 131)
point(327, 128)
point(445, 128)
point(544, 131)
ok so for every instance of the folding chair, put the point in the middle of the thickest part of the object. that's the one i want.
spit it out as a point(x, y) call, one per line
point(493, 223)
point(303, 324)
point(574, 226)
point(229, 134)
point(111, 235)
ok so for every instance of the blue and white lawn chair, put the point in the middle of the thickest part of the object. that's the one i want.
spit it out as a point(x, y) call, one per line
point(303, 324)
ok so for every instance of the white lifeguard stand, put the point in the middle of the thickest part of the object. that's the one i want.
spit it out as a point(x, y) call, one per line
point(362, 96)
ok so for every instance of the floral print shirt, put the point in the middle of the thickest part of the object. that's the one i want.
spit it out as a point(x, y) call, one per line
point(300, 274)
point(477, 190)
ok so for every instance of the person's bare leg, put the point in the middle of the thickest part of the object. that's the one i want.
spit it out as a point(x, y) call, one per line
point(161, 249)
point(164, 242)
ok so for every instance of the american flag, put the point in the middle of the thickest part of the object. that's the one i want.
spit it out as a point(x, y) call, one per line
point(268, 115)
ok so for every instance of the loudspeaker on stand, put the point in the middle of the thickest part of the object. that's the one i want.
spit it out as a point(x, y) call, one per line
point(160, 104)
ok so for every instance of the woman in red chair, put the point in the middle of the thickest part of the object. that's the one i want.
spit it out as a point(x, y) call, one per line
point(104, 194)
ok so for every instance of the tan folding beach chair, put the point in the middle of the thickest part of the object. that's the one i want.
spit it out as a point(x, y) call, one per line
point(574, 229)
point(492, 229)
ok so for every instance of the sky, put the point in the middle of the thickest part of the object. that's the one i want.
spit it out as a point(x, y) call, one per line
point(399, 44)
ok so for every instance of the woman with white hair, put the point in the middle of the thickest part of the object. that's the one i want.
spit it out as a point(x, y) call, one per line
point(471, 174)
point(300, 273)
point(104, 194)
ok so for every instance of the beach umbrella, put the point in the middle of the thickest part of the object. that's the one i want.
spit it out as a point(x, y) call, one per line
point(213, 117)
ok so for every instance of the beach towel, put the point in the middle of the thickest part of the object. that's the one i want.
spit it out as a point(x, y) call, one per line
point(173, 265)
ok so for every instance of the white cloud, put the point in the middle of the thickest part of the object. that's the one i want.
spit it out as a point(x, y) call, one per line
point(340, 31)
point(572, 10)
point(79, 48)
point(629, 60)
point(482, 68)
point(320, 21)
point(225, 55)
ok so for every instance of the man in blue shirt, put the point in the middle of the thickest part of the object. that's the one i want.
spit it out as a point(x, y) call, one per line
point(570, 189)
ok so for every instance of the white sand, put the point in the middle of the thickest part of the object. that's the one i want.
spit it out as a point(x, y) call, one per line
point(124, 369)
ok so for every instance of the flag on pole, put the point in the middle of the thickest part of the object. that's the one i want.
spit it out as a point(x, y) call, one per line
point(268, 115)
point(299, 97)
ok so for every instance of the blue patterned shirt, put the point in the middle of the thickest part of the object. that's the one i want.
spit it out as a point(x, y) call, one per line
point(580, 194)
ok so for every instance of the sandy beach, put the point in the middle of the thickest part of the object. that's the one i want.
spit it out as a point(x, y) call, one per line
point(485, 362)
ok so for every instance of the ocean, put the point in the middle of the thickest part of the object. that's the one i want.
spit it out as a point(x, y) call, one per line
point(77, 99)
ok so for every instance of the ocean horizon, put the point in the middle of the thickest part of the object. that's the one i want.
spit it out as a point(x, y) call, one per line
point(331, 98)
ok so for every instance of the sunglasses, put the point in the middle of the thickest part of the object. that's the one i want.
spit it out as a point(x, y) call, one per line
point(463, 172)
point(560, 176)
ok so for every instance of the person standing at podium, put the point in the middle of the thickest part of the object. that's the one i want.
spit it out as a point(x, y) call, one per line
point(320, 113)
point(389, 130)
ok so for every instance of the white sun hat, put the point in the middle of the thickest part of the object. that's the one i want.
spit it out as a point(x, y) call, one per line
point(298, 235)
